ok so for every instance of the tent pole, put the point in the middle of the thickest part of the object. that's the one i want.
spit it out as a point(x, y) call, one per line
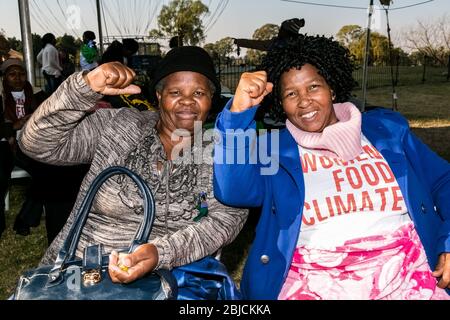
point(27, 40)
point(100, 29)
point(366, 57)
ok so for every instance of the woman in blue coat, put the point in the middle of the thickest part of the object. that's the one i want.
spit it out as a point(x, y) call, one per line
point(354, 206)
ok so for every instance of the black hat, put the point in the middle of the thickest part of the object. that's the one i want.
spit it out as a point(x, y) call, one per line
point(187, 58)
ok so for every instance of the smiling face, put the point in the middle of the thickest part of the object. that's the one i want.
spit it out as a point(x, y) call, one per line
point(307, 99)
point(185, 97)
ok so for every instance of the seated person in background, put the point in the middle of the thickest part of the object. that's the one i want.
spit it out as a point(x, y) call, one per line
point(191, 226)
point(358, 208)
point(18, 105)
point(52, 187)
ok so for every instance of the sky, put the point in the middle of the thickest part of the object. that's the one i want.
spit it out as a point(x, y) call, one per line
point(227, 18)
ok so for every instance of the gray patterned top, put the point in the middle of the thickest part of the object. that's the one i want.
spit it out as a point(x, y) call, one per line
point(65, 130)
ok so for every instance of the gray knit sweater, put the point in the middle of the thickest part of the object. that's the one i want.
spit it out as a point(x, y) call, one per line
point(65, 130)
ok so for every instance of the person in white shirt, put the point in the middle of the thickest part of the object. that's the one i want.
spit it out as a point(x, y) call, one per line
point(48, 58)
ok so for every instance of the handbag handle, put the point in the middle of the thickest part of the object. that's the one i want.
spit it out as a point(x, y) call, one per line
point(68, 250)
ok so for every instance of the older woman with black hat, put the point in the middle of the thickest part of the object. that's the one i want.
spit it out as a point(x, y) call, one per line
point(65, 130)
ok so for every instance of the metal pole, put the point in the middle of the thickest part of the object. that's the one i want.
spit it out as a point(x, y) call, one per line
point(448, 71)
point(424, 68)
point(27, 40)
point(391, 59)
point(99, 21)
point(366, 58)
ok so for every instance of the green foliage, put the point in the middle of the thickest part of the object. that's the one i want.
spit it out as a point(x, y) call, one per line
point(210, 48)
point(68, 44)
point(354, 38)
point(266, 32)
point(155, 33)
point(433, 56)
point(182, 18)
point(221, 49)
point(349, 34)
point(37, 43)
point(15, 44)
point(4, 44)
point(225, 47)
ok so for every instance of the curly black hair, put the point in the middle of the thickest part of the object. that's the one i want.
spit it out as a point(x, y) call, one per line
point(333, 61)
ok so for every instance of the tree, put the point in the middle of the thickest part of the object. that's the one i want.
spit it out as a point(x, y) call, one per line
point(182, 18)
point(37, 44)
point(68, 44)
point(431, 39)
point(210, 48)
point(224, 47)
point(349, 34)
point(266, 32)
point(15, 44)
point(417, 58)
point(354, 38)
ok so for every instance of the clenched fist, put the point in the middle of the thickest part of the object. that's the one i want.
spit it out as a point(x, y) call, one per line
point(133, 266)
point(112, 79)
point(251, 90)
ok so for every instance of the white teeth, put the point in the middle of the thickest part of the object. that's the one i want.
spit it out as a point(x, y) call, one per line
point(309, 115)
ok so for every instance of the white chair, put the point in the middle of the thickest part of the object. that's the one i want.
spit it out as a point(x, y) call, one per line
point(17, 173)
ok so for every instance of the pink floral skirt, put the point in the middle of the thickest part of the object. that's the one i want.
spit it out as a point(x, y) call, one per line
point(392, 267)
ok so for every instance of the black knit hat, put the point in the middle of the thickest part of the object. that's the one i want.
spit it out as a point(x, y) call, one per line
point(187, 58)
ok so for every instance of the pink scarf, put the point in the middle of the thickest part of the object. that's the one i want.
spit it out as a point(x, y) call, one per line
point(341, 140)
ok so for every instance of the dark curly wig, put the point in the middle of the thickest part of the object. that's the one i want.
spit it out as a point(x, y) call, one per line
point(333, 61)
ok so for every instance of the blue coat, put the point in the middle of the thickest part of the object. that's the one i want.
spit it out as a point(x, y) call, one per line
point(424, 179)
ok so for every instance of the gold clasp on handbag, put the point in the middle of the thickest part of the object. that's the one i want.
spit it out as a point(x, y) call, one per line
point(92, 277)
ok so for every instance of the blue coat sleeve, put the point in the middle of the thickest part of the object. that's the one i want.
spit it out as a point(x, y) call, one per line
point(435, 171)
point(237, 178)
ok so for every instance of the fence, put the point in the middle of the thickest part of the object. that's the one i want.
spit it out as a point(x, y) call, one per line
point(378, 76)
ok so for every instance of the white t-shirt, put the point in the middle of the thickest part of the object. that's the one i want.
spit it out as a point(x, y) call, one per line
point(49, 59)
point(345, 201)
point(19, 97)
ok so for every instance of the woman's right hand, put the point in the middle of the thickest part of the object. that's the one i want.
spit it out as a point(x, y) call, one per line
point(112, 79)
point(130, 267)
point(251, 90)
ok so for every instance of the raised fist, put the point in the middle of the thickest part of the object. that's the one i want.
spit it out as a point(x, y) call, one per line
point(251, 90)
point(112, 79)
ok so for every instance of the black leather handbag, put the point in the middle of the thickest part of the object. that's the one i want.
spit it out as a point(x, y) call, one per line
point(71, 278)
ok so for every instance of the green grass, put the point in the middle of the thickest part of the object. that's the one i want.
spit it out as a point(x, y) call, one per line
point(18, 253)
point(407, 76)
point(426, 106)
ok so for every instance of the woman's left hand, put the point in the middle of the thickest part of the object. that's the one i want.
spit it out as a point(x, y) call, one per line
point(128, 268)
point(442, 271)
